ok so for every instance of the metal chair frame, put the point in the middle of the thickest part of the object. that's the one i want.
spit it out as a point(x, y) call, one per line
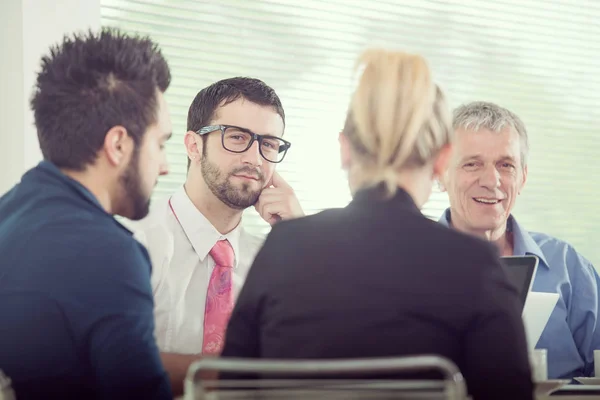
point(330, 384)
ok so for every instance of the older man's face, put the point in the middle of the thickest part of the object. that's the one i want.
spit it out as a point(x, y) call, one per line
point(484, 178)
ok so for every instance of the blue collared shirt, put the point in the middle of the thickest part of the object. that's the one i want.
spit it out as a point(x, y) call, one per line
point(572, 332)
point(76, 306)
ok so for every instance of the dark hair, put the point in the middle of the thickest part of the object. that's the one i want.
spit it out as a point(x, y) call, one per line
point(91, 83)
point(223, 92)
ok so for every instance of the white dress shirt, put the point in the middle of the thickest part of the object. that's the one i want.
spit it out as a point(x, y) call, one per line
point(179, 239)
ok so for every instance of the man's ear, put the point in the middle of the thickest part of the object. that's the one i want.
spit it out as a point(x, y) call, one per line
point(440, 184)
point(345, 151)
point(118, 145)
point(524, 179)
point(193, 145)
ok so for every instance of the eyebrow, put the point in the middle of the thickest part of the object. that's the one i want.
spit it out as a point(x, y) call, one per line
point(477, 157)
point(469, 158)
point(252, 132)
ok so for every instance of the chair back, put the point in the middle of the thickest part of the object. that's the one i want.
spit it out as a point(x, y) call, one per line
point(324, 379)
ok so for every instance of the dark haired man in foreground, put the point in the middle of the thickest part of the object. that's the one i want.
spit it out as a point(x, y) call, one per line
point(75, 298)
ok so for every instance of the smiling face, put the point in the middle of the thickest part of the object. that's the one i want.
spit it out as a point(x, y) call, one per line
point(484, 178)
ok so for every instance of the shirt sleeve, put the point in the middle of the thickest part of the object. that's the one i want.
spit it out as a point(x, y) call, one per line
point(495, 342)
point(583, 311)
point(108, 301)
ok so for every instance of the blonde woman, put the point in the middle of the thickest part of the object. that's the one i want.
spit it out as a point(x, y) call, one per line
point(377, 278)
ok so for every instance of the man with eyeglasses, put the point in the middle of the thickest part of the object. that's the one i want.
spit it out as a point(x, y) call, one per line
point(200, 253)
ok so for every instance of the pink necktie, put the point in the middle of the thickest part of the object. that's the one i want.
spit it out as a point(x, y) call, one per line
point(219, 299)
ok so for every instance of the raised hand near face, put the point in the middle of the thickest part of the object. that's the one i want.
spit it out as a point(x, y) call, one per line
point(278, 201)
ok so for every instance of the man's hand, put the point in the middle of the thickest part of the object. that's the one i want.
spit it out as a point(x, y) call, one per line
point(278, 201)
point(177, 366)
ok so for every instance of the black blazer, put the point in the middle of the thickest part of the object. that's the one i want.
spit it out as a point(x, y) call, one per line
point(377, 279)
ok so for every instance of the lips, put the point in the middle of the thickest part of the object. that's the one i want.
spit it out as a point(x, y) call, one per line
point(253, 174)
point(254, 178)
point(486, 200)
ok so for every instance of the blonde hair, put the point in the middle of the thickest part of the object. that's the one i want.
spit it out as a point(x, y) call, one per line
point(398, 118)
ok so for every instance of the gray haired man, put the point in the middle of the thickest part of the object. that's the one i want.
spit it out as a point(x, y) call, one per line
point(484, 179)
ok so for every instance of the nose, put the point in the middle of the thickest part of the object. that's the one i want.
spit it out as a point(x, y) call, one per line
point(490, 177)
point(252, 155)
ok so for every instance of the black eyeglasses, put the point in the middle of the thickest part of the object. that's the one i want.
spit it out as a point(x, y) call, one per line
point(238, 140)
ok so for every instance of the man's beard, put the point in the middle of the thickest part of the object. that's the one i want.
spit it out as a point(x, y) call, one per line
point(131, 184)
point(219, 184)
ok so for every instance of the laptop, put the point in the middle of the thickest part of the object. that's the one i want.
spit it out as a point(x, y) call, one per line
point(521, 271)
point(537, 307)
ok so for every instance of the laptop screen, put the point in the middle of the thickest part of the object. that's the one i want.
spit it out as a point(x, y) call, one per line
point(521, 271)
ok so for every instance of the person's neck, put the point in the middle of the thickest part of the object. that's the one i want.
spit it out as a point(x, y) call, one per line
point(222, 217)
point(416, 182)
point(499, 237)
point(95, 184)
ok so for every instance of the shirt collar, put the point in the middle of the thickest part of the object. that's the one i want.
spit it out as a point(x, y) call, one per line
point(445, 218)
point(198, 229)
point(75, 187)
point(523, 242)
point(55, 173)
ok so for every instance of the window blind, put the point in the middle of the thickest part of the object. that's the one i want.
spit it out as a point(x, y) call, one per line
point(538, 58)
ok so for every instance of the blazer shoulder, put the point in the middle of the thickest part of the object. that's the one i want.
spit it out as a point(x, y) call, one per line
point(315, 222)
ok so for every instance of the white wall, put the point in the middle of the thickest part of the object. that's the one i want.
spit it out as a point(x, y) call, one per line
point(27, 29)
